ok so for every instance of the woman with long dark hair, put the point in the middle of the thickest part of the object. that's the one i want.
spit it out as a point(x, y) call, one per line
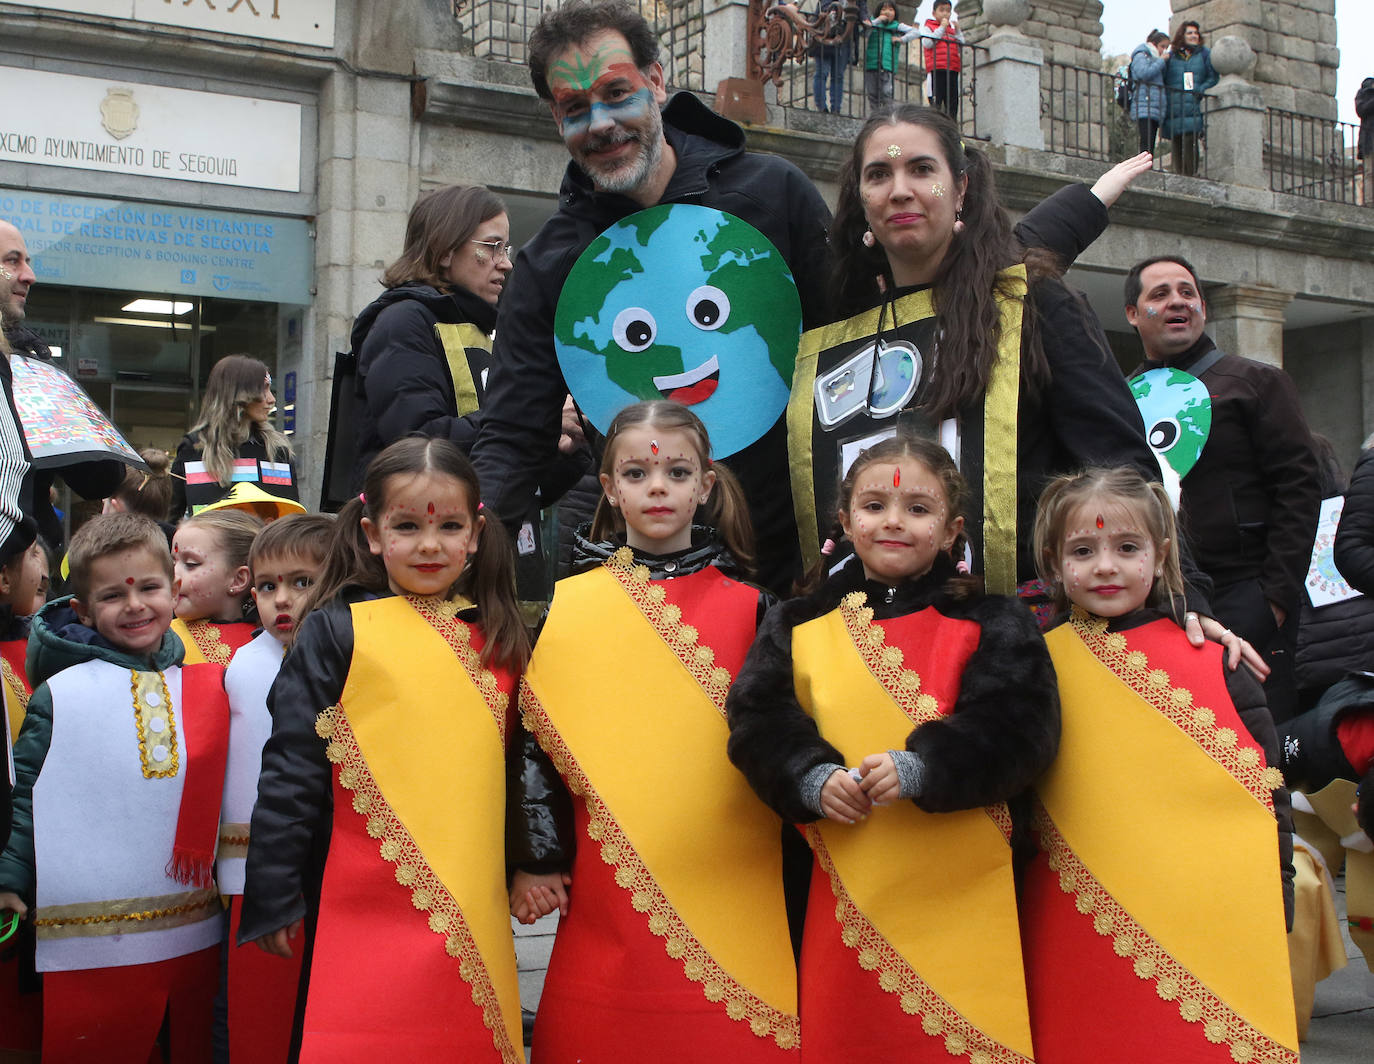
point(1187, 77)
point(233, 441)
point(952, 329)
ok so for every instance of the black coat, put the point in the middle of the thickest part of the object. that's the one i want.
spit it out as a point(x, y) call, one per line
point(193, 496)
point(1001, 735)
point(1355, 534)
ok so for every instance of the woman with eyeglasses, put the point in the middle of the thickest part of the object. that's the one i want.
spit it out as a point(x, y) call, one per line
point(424, 344)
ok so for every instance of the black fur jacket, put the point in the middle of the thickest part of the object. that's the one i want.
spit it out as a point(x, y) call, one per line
point(1002, 734)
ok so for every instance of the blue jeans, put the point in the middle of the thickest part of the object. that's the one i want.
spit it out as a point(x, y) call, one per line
point(830, 64)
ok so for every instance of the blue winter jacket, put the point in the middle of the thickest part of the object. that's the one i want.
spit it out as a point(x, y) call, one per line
point(1147, 76)
point(1184, 110)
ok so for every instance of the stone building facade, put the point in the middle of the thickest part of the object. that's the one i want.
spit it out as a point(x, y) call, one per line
point(404, 97)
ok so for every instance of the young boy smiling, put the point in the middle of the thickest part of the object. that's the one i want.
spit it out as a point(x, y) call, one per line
point(119, 769)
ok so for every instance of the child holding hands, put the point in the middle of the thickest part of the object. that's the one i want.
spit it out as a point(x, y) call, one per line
point(386, 764)
point(895, 710)
point(120, 766)
point(675, 938)
point(1156, 823)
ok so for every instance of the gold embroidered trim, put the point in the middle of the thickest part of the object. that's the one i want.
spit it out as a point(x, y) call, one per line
point(1149, 960)
point(895, 976)
point(1199, 723)
point(90, 919)
point(441, 614)
point(15, 684)
point(156, 724)
point(206, 636)
point(718, 986)
point(903, 685)
point(233, 841)
point(666, 619)
point(427, 891)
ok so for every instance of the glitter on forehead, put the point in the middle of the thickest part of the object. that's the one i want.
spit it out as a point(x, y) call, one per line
point(1100, 523)
point(430, 510)
point(653, 446)
point(894, 151)
point(896, 477)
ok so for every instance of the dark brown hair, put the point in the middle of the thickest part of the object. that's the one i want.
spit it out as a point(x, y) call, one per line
point(967, 288)
point(148, 493)
point(224, 426)
point(1119, 486)
point(1179, 44)
point(440, 223)
point(726, 508)
point(572, 24)
point(106, 534)
point(488, 579)
point(304, 536)
point(936, 459)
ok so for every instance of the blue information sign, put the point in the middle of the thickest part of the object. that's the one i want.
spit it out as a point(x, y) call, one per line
point(163, 248)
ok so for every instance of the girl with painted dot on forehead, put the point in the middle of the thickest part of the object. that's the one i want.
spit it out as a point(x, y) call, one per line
point(895, 709)
point(1156, 822)
point(381, 801)
point(630, 819)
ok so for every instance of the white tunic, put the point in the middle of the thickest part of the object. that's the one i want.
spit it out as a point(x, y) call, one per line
point(247, 680)
point(103, 833)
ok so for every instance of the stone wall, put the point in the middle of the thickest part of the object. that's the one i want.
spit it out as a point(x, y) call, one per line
point(1294, 42)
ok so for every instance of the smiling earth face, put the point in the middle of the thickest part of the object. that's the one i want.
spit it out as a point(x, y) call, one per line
point(684, 303)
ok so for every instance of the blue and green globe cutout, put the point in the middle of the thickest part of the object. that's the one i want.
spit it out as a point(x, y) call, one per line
point(1177, 411)
point(686, 303)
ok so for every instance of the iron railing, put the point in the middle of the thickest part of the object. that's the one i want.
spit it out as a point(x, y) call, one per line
point(498, 29)
point(1316, 158)
point(1082, 114)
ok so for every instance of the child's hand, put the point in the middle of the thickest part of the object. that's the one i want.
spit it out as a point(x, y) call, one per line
point(880, 780)
point(533, 896)
point(843, 799)
point(278, 942)
point(13, 903)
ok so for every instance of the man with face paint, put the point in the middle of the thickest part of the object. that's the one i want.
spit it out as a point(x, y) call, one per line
point(597, 67)
point(1250, 502)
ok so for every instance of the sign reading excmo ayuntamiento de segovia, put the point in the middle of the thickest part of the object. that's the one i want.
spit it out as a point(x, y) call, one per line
point(299, 21)
point(130, 127)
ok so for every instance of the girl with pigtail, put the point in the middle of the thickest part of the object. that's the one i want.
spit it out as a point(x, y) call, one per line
point(381, 800)
point(627, 815)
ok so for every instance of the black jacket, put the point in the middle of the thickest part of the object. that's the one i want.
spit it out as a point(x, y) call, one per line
point(1355, 534)
point(1250, 504)
point(1001, 735)
point(403, 376)
point(193, 496)
point(520, 419)
point(1364, 108)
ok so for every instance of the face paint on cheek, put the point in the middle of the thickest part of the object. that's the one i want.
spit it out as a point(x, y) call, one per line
point(1195, 308)
point(481, 256)
point(937, 189)
point(1150, 312)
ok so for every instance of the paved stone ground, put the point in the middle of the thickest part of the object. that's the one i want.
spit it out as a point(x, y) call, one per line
point(1341, 1031)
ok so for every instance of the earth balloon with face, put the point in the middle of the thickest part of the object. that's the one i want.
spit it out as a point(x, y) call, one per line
point(684, 303)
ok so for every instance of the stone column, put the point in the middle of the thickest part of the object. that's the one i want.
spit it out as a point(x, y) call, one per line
point(1008, 82)
point(1294, 41)
point(1236, 118)
point(727, 42)
point(1248, 320)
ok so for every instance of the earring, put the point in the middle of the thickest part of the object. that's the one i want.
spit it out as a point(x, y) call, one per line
point(959, 220)
point(868, 238)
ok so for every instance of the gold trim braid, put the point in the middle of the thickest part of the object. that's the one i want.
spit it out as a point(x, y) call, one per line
point(895, 976)
point(91, 919)
point(1244, 763)
point(146, 714)
point(206, 636)
point(15, 684)
point(427, 892)
point(1150, 961)
point(666, 619)
point(647, 897)
point(441, 614)
point(902, 684)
